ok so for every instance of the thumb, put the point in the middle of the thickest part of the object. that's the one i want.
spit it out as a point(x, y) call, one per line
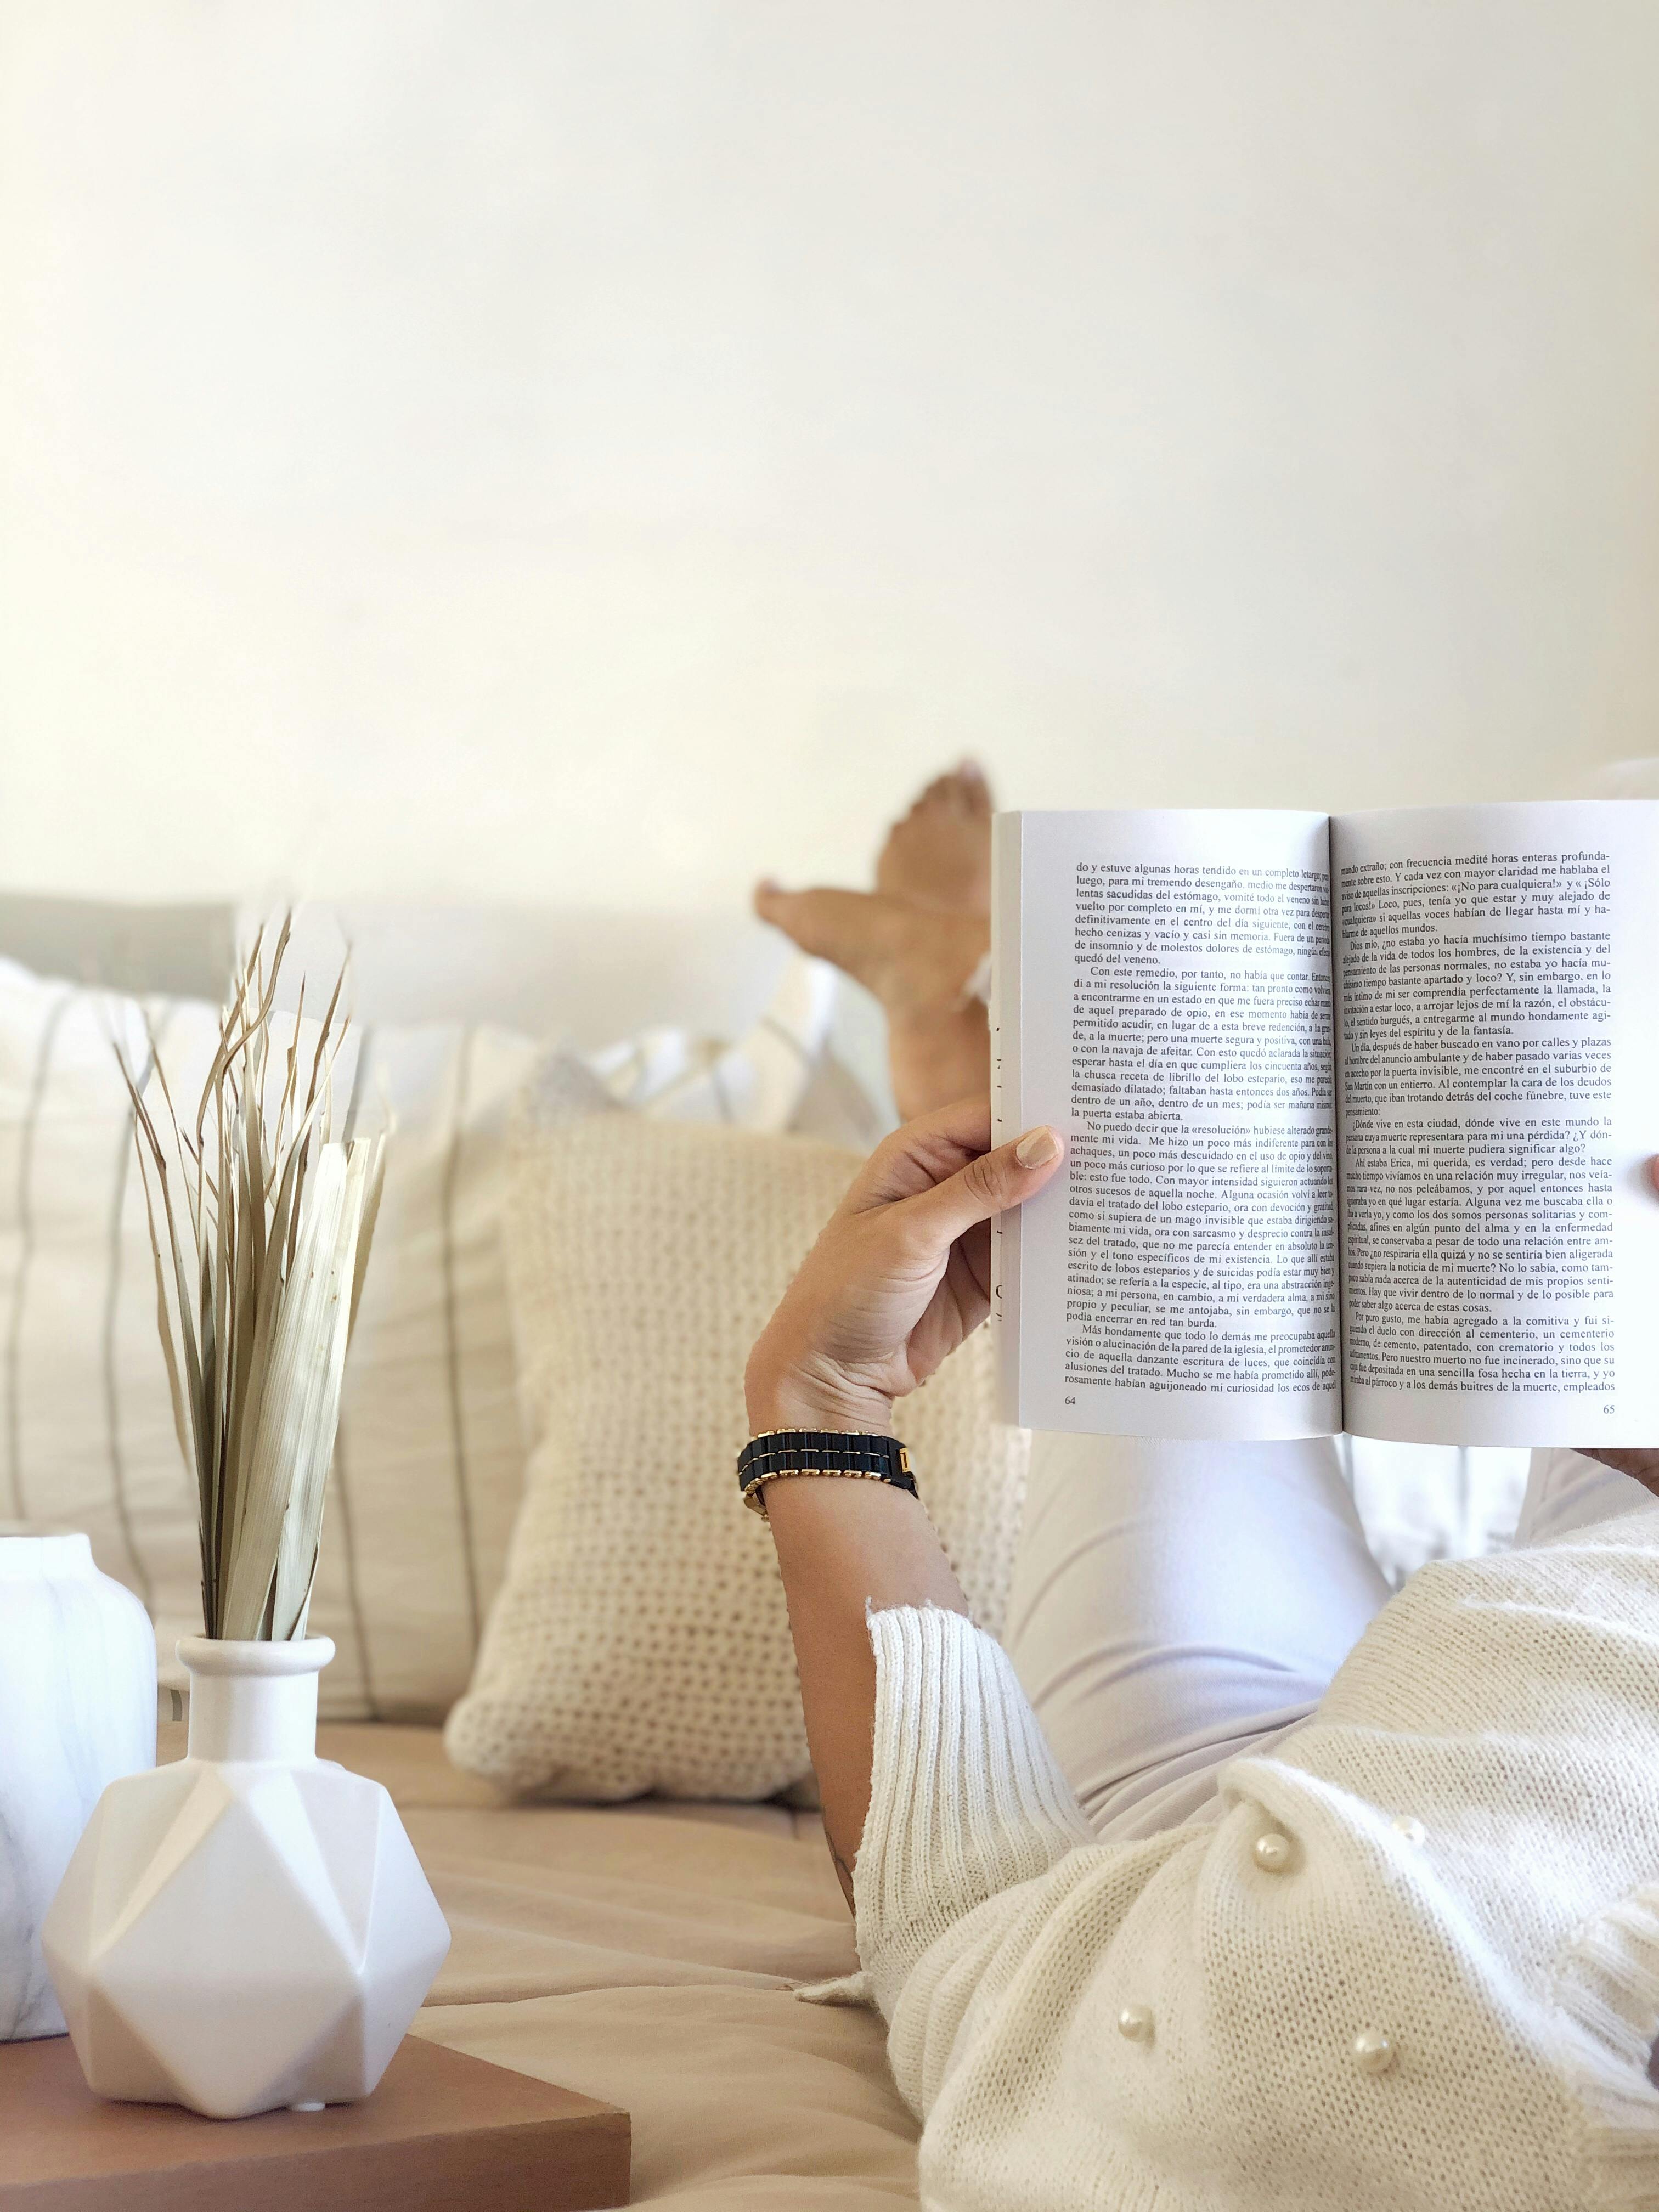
point(988, 1185)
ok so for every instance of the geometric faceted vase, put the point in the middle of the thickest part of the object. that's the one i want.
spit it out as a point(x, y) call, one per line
point(249, 1928)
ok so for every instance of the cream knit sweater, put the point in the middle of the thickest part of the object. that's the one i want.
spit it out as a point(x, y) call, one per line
point(1414, 1967)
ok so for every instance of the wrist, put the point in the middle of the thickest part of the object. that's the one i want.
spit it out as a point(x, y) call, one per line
point(786, 1395)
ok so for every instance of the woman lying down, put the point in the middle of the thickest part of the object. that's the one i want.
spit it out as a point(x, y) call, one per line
point(1397, 1952)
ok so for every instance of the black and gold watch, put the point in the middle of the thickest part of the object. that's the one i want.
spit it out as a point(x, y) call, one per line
point(780, 1453)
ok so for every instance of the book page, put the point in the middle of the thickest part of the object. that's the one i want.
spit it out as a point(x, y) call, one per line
point(1162, 996)
point(1498, 1066)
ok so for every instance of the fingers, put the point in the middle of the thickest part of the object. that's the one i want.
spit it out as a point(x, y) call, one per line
point(990, 1184)
point(1653, 1174)
point(926, 1153)
point(923, 1153)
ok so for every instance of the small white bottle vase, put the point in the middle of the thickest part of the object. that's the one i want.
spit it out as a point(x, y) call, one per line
point(249, 1928)
point(77, 1709)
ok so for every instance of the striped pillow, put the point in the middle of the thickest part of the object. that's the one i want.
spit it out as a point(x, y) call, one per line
point(427, 1473)
point(428, 1468)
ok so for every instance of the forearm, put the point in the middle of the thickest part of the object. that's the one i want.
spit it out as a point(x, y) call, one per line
point(844, 1546)
point(899, 1276)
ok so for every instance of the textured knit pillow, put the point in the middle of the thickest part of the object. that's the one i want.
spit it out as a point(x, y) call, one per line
point(640, 1642)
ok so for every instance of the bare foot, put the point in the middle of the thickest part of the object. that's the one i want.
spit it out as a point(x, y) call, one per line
point(939, 854)
point(915, 942)
point(917, 961)
point(908, 957)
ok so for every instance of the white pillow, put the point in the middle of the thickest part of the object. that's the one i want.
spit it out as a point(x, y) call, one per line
point(640, 1642)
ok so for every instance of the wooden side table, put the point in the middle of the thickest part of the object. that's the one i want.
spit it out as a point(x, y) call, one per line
point(442, 2133)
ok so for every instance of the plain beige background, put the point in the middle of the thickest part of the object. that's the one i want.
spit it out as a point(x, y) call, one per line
point(529, 449)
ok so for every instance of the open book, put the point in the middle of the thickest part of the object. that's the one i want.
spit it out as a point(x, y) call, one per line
point(1355, 1107)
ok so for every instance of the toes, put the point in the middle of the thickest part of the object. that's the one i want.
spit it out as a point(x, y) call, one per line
point(842, 926)
point(773, 904)
point(799, 914)
point(973, 788)
point(966, 791)
point(961, 790)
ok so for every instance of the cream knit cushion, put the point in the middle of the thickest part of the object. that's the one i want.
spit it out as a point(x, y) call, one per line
point(640, 1642)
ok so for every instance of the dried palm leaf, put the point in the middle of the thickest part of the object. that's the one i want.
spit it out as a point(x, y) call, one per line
point(260, 1225)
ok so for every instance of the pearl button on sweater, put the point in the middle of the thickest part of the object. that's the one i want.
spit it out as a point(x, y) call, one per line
point(1444, 1998)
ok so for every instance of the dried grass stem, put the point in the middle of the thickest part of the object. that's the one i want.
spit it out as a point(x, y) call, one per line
point(260, 1224)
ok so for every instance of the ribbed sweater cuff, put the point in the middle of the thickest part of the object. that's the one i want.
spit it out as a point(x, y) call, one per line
point(965, 1797)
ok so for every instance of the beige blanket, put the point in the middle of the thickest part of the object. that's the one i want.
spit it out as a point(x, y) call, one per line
point(644, 1953)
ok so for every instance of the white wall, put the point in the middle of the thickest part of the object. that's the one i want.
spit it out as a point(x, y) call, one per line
point(530, 448)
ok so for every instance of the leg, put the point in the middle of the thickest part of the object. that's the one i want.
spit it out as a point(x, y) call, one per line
point(1175, 1605)
point(916, 941)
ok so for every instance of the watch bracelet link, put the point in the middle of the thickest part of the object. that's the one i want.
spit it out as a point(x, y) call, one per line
point(778, 1454)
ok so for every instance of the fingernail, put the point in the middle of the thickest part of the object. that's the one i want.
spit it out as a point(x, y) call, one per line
point(1036, 1148)
point(769, 885)
point(969, 766)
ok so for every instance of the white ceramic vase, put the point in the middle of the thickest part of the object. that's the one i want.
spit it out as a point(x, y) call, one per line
point(77, 1709)
point(249, 1928)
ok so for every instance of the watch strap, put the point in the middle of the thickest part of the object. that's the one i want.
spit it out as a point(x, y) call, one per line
point(781, 1453)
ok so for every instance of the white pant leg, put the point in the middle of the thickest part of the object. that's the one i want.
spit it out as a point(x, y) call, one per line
point(1566, 1491)
point(1176, 1604)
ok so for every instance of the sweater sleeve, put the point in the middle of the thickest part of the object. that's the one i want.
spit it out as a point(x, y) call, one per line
point(966, 1799)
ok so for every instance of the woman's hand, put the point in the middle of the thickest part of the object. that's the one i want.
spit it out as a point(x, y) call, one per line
point(1642, 1466)
point(900, 1275)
